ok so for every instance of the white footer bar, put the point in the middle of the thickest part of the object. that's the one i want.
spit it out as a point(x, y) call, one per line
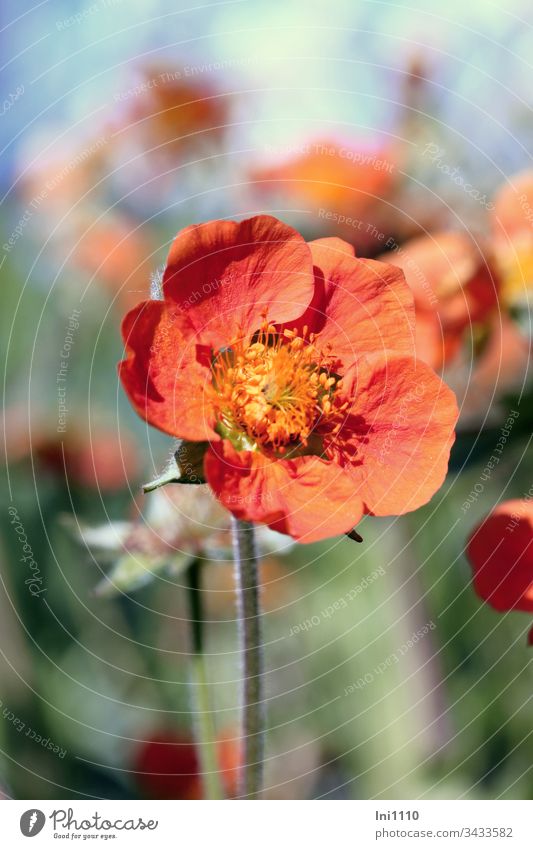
point(268, 825)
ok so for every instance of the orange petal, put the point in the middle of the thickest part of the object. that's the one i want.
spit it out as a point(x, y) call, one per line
point(431, 347)
point(513, 210)
point(449, 274)
point(501, 368)
point(307, 497)
point(224, 275)
point(360, 306)
point(162, 374)
point(397, 434)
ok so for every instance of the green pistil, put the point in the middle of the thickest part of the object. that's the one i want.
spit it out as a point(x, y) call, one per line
point(240, 440)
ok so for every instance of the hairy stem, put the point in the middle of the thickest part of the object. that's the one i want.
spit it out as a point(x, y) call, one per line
point(249, 618)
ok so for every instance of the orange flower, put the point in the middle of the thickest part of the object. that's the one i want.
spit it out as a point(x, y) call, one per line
point(454, 287)
point(294, 363)
point(512, 230)
point(167, 112)
point(499, 368)
point(500, 551)
point(167, 766)
point(58, 173)
point(342, 185)
point(117, 253)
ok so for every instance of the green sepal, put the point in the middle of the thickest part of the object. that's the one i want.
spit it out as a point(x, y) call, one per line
point(189, 459)
point(186, 466)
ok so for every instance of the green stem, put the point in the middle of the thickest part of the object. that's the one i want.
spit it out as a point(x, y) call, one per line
point(205, 727)
point(249, 618)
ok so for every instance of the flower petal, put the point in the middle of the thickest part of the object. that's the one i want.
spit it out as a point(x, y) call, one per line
point(500, 369)
point(360, 306)
point(431, 346)
point(225, 274)
point(449, 274)
point(163, 373)
point(307, 497)
point(396, 438)
point(511, 217)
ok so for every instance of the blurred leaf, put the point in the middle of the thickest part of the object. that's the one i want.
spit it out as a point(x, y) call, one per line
point(109, 537)
point(131, 572)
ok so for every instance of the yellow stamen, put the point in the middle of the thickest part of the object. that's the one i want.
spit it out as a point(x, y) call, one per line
point(274, 390)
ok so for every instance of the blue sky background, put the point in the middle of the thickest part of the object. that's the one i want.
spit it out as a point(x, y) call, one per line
point(297, 67)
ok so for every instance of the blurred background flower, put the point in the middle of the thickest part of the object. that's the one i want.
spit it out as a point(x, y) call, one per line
point(500, 551)
point(167, 767)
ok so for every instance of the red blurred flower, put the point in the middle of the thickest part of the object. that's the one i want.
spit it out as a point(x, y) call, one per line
point(294, 362)
point(103, 459)
point(99, 458)
point(167, 766)
point(500, 551)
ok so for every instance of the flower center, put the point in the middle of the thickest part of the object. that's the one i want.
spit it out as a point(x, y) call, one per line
point(274, 391)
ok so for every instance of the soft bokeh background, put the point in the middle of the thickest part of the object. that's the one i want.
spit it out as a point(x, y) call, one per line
point(122, 123)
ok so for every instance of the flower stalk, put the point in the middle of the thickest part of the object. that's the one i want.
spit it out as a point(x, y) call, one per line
point(205, 727)
point(249, 619)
